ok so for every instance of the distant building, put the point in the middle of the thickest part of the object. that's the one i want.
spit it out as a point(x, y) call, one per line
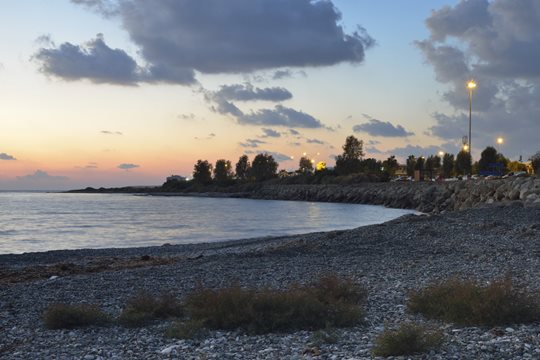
point(176, 178)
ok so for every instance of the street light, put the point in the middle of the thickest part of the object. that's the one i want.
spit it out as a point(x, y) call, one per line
point(441, 153)
point(471, 85)
point(500, 141)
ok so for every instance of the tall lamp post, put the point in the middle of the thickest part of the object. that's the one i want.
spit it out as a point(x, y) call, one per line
point(500, 141)
point(470, 85)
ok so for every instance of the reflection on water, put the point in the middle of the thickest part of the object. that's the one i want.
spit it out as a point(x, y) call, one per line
point(43, 221)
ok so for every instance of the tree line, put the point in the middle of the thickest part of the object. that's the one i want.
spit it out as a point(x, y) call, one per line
point(351, 161)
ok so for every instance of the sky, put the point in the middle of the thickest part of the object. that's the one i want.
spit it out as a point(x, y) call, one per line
point(127, 92)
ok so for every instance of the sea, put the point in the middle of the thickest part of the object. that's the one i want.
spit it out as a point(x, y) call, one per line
point(38, 221)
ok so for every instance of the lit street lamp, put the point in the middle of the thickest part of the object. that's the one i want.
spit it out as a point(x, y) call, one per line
point(500, 141)
point(471, 85)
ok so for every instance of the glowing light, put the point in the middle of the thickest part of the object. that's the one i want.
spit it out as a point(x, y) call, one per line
point(471, 84)
point(292, 157)
point(466, 147)
point(441, 153)
point(304, 153)
point(500, 140)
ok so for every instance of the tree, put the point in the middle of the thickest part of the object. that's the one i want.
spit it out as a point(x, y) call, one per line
point(535, 162)
point(243, 167)
point(411, 165)
point(430, 166)
point(202, 172)
point(264, 167)
point(463, 163)
point(305, 165)
point(350, 161)
point(371, 165)
point(487, 157)
point(223, 171)
point(390, 165)
point(448, 165)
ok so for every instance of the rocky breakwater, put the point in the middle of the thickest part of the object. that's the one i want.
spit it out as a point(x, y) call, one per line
point(422, 196)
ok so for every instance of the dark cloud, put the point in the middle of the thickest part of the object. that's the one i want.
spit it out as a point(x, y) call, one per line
point(97, 62)
point(499, 46)
point(380, 128)
point(176, 38)
point(41, 176)
point(294, 132)
point(373, 150)
point(252, 143)
point(279, 157)
point(280, 116)
point(287, 73)
point(189, 116)
point(107, 132)
point(127, 166)
point(4, 156)
point(270, 133)
point(246, 92)
point(315, 141)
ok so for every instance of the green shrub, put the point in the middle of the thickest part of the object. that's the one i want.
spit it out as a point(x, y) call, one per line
point(143, 308)
point(408, 339)
point(468, 303)
point(62, 316)
point(191, 329)
point(328, 302)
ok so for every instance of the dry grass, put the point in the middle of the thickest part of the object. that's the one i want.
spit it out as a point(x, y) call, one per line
point(465, 302)
point(330, 301)
point(144, 308)
point(62, 316)
point(408, 339)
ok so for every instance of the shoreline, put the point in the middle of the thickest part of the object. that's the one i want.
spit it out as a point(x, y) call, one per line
point(389, 259)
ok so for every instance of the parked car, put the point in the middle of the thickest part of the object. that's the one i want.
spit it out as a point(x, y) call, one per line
point(515, 174)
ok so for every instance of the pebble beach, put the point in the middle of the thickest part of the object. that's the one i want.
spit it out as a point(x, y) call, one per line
point(389, 260)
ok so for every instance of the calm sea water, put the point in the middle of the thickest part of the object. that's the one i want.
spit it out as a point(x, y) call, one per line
point(50, 221)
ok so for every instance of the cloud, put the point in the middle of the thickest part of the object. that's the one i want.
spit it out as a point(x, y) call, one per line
point(380, 128)
point(315, 141)
point(127, 166)
point(97, 62)
point(279, 157)
point(177, 38)
point(90, 165)
point(287, 73)
point(252, 143)
point(374, 150)
point(246, 92)
point(280, 116)
point(499, 46)
point(294, 132)
point(270, 133)
point(208, 137)
point(295, 143)
point(373, 142)
point(190, 116)
point(4, 156)
point(41, 176)
point(107, 132)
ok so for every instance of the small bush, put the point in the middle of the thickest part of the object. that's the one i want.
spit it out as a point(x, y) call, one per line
point(328, 302)
point(62, 316)
point(143, 308)
point(468, 303)
point(192, 329)
point(408, 339)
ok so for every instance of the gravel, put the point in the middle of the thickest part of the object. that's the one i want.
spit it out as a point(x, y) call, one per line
point(390, 259)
